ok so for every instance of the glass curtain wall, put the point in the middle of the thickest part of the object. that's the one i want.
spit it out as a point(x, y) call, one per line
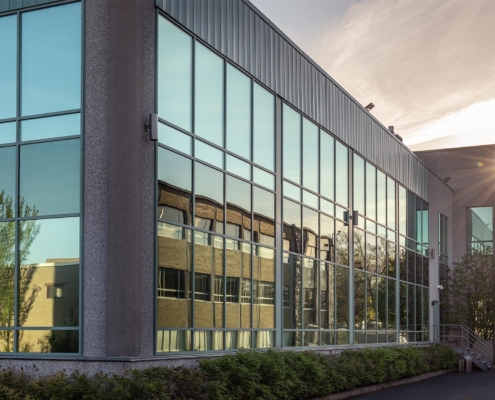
point(480, 230)
point(216, 244)
point(40, 185)
point(216, 201)
point(375, 249)
point(443, 264)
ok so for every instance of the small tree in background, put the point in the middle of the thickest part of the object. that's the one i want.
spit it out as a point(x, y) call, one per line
point(471, 293)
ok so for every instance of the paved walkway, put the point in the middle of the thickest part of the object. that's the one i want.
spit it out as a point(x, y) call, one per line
point(452, 386)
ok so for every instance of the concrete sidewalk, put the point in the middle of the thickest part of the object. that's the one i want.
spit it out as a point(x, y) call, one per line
point(452, 386)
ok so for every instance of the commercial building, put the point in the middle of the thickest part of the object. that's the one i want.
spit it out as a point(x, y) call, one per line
point(273, 211)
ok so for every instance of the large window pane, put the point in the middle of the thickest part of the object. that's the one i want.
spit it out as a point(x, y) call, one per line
point(7, 182)
point(208, 95)
point(51, 127)
point(342, 275)
point(7, 284)
point(359, 188)
point(310, 232)
point(264, 216)
point(310, 155)
point(292, 144)
point(327, 165)
point(293, 299)
point(8, 63)
point(208, 198)
point(263, 127)
point(49, 273)
point(341, 174)
point(310, 295)
point(238, 112)
point(390, 203)
point(370, 191)
point(50, 178)
point(381, 197)
point(174, 74)
point(238, 208)
point(174, 138)
point(51, 59)
point(327, 238)
point(292, 226)
point(341, 243)
point(8, 132)
point(46, 341)
point(402, 210)
point(238, 270)
point(264, 287)
point(480, 229)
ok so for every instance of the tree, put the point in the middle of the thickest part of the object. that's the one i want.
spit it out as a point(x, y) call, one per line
point(28, 230)
point(471, 293)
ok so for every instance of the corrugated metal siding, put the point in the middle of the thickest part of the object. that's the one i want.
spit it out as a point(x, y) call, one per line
point(10, 5)
point(240, 32)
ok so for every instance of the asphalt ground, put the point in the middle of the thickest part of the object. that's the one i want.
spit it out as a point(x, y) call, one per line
point(451, 386)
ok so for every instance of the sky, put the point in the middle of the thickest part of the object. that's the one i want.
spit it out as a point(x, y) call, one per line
point(427, 65)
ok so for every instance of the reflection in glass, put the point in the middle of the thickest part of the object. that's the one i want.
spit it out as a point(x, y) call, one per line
point(370, 253)
point(327, 167)
point(49, 272)
point(391, 304)
point(381, 197)
point(172, 340)
point(8, 64)
point(292, 226)
point(359, 187)
point(371, 301)
point(309, 294)
point(327, 238)
point(174, 187)
point(359, 300)
point(8, 132)
point(480, 229)
point(238, 208)
point(370, 191)
point(411, 266)
point(51, 59)
point(310, 155)
point(411, 215)
point(264, 288)
point(237, 340)
point(51, 127)
point(390, 203)
point(174, 138)
point(359, 249)
point(381, 256)
point(391, 260)
point(7, 284)
point(238, 271)
point(327, 207)
point(402, 210)
point(208, 263)
point(341, 174)
point(292, 191)
point(264, 339)
point(292, 280)
point(263, 127)
point(263, 178)
point(7, 182)
point(292, 144)
point(327, 296)
point(310, 199)
point(208, 153)
point(382, 303)
point(341, 243)
point(174, 74)
point(264, 216)
point(238, 167)
point(342, 276)
point(208, 198)
point(50, 177)
point(38, 341)
point(238, 112)
point(411, 302)
point(208, 95)
point(403, 306)
point(174, 277)
point(310, 232)
point(424, 224)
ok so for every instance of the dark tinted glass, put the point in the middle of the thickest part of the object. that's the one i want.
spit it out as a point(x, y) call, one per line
point(51, 127)
point(292, 144)
point(402, 210)
point(341, 174)
point(50, 178)
point(391, 324)
point(359, 188)
point(174, 74)
point(51, 59)
point(342, 297)
point(411, 215)
point(381, 298)
point(208, 95)
point(8, 63)
point(371, 302)
point(327, 165)
point(371, 253)
point(310, 155)
point(359, 249)
point(238, 112)
point(263, 127)
point(359, 300)
point(370, 191)
point(49, 271)
point(342, 243)
point(7, 182)
point(38, 341)
point(292, 281)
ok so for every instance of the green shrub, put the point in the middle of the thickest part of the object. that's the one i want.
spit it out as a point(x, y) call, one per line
point(270, 375)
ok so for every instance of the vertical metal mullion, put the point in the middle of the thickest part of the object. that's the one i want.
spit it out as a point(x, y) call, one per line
point(252, 247)
point(279, 256)
point(224, 128)
point(193, 200)
point(350, 245)
point(397, 264)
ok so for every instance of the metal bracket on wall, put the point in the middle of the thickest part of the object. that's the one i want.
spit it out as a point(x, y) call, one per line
point(152, 127)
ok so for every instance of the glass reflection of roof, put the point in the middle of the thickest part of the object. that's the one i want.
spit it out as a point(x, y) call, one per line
point(174, 187)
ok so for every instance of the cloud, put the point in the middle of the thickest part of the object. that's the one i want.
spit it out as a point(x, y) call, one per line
point(417, 61)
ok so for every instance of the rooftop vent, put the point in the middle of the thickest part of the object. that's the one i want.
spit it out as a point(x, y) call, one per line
point(391, 129)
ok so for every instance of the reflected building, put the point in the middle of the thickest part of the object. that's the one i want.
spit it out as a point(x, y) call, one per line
point(260, 207)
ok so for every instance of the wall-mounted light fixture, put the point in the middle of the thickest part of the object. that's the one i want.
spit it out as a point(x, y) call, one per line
point(447, 179)
point(370, 106)
point(152, 127)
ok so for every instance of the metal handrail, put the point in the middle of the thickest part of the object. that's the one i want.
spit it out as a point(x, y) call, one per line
point(469, 339)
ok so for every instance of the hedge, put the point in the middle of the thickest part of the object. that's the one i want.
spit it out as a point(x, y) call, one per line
point(246, 375)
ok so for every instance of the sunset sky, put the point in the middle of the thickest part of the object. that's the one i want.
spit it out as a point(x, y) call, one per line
point(427, 65)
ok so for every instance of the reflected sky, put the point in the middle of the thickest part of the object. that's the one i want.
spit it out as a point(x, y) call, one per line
point(8, 132)
point(8, 50)
point(51, 127)
point(7, 175)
